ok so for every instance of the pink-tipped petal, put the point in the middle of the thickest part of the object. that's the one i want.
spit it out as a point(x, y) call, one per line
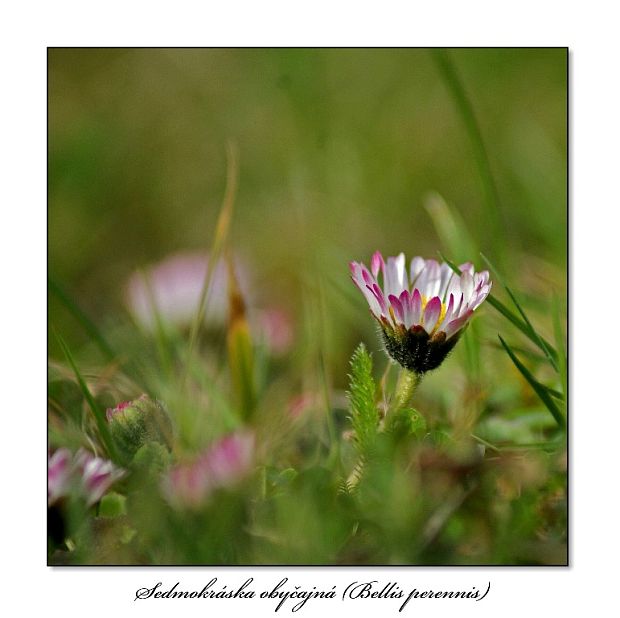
point(398, 308)
point(416, 308)
point(368, 278)
point(380, 298)
point(481, 279)
point(468, 267)
point(373, 301)
point(479, 297)
point(455, 325)
point(432, 311)
point(405, 301)
point(376, 262)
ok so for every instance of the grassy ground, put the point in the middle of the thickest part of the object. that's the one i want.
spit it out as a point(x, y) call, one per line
point(289, 164)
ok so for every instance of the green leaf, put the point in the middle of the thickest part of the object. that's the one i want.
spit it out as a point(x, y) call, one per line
point(102, 425)
point(540, 389)
point(112, 505)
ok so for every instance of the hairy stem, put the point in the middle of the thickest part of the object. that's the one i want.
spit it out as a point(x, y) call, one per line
point(405, 388)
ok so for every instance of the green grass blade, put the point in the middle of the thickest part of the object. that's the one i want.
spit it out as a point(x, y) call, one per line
point(540, 390)
point(465, 109)
point(220, 235)
point(450, 227)
point(509, 315)
point(87, 324)
point(539, 340)
point(559, 342)
point(161, 336)
point(98, 413)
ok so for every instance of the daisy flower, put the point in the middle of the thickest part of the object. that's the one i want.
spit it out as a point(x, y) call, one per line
point(422, 311)
point(88, 476)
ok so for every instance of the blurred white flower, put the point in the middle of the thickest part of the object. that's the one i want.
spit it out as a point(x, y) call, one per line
point(173, 287)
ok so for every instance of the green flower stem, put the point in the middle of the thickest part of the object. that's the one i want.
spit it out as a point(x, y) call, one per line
point(405, 388)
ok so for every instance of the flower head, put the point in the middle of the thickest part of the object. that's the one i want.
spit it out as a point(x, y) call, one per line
point(97, 475)
point(58, 475)
point(85, 474)
point(422, 312)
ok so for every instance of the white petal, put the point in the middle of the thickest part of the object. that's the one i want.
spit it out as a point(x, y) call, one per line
point(467, 286)
point(417, 266)
point(395, 275)
point(447, 274)
point(430, 279)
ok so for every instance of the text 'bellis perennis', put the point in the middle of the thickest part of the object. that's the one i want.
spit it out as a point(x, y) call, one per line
point(422, 311)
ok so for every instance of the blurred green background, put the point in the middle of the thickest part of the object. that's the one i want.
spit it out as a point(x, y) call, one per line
point(341, 152)
point(338, 150)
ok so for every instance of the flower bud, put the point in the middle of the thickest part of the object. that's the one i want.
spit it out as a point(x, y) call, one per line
point(134, 423)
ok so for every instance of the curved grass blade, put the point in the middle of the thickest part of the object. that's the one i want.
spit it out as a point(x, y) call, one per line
point(466, 111)
point(559, 342)
point(541, 342)
point(87, 324)
point(450, 227)
point(540, 390)
point(163, 342)
point(98, 413)
point(220, 235)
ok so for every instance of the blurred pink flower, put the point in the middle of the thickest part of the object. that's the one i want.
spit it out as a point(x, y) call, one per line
point(97, 475)
point(174, 286)
point(88, 475)
point(58, 475)
point(301, 404)
point(222, 465)
point(276, 327)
